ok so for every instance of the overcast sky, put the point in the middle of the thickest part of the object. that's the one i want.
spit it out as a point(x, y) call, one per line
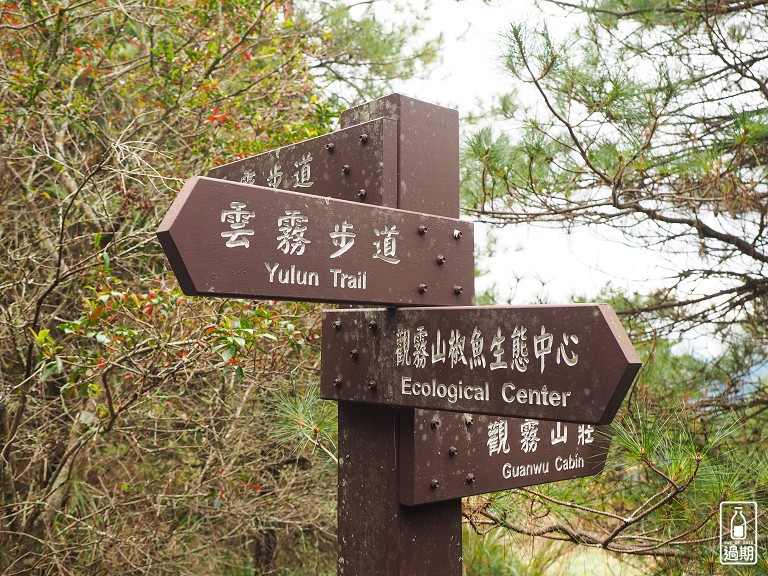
point(473, 39)
point(531, 265)
point(554, 265)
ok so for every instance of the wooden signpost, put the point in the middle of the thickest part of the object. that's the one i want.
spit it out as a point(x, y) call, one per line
point(369, 215)
point(358, 163)
point(377, 535)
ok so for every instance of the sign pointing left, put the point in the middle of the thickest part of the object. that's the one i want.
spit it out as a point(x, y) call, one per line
point(233, 239)
point(358, 163)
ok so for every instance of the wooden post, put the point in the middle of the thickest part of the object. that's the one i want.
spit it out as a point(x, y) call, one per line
point(377, 536)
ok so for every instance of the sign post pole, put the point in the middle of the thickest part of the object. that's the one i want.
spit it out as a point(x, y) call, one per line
point(378, 536)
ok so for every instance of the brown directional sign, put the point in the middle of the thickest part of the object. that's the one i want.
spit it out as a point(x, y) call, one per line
point(570, 363)
point(227, 238)
point(358, 163)
point(448, 455)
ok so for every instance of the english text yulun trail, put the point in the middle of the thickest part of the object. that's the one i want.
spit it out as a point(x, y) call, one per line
point(454, 392)
point(291, 275)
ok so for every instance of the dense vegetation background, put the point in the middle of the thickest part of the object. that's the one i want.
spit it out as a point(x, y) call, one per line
point(146, 432)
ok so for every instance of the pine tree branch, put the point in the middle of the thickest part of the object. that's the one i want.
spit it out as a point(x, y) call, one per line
point(702, 229)
point(720, 8)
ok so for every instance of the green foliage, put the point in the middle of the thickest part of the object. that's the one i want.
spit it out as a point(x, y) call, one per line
point(306, 422)
point(649, 118)
point(367, 48)
point(684, 441)
point(138, 426)
point(488, 555)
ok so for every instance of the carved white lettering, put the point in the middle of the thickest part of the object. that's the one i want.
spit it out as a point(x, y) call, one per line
point(453, 392)
point(521, 470)
point(271, 271)
point(356, 280)
point(405, 386)
point(292, 275)
point(571, 463)
point(538, 396)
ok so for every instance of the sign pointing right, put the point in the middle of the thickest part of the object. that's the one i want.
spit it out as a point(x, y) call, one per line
point(459, 455)
point(570, 363)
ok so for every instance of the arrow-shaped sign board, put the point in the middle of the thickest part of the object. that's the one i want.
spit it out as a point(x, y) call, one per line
point(570, 363)
point(226, 238)
point(454, 455)
point(358, 163)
